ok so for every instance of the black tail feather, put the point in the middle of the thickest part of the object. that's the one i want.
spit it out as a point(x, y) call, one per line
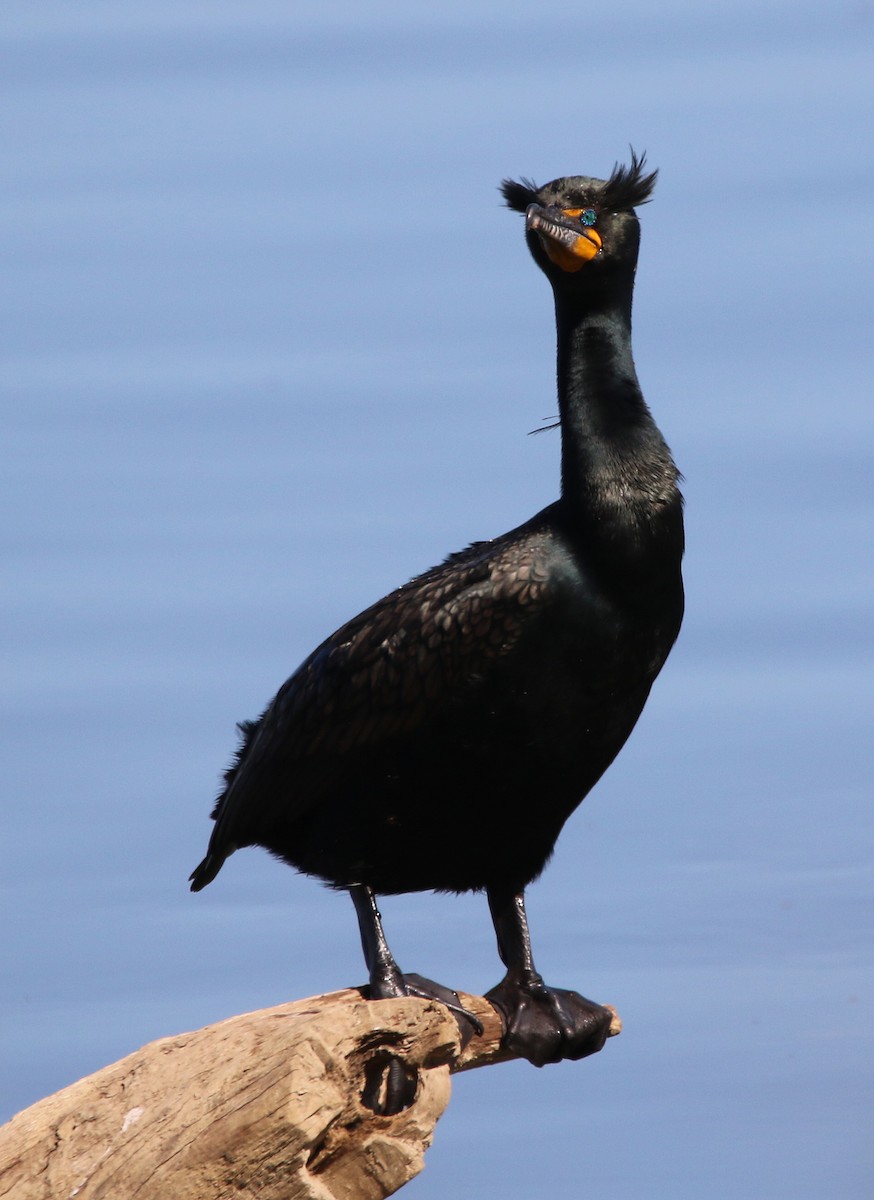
point(206, 871)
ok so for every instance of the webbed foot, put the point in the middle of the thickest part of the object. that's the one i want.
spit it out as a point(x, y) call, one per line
point(546, 1025)
point(392, 986)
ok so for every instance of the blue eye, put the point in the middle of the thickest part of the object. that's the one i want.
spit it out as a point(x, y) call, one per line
point(588, 216)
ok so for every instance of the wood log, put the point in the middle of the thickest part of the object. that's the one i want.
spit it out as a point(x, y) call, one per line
point(277, 1104)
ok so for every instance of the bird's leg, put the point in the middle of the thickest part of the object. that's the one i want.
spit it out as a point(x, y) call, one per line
point(514, 939)
point(393, 1087)
point(386, 980)
point(541, 1024)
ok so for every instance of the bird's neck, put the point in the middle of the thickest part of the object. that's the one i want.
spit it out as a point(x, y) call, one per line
point(619, 482)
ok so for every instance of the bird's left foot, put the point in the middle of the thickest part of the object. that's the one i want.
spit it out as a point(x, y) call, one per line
point(546, 1025)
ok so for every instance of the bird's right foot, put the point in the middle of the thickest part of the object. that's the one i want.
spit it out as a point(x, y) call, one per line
point(393, 986)
point(393, 1086)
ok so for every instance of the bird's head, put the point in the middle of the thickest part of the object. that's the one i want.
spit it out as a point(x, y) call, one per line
point(583, 231)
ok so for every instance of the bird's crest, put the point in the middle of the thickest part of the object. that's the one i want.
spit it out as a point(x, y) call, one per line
point(627, 187)
point(518, 194)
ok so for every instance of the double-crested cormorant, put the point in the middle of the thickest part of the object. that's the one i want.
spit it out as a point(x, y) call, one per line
point(441, 739)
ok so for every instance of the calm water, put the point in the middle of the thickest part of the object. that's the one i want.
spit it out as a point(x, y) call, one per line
point(271, 346)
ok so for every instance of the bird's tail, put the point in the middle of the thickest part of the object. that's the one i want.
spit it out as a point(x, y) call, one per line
point(206, 871)
point(220, 844)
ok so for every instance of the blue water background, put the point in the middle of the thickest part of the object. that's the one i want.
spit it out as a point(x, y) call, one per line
point(271, 346)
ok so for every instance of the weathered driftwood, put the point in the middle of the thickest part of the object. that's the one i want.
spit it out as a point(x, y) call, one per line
point(277, 1104)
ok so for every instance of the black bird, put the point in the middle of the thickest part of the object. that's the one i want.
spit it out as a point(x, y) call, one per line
point(441, 739)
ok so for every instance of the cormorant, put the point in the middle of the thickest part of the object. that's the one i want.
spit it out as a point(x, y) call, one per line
point(441, 739)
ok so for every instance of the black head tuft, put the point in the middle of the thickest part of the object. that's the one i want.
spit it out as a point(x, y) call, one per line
point(629, 186)
point(519, 195)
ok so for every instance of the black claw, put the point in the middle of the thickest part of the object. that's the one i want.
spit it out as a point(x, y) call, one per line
point(427, 989)
point(390, 1085)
